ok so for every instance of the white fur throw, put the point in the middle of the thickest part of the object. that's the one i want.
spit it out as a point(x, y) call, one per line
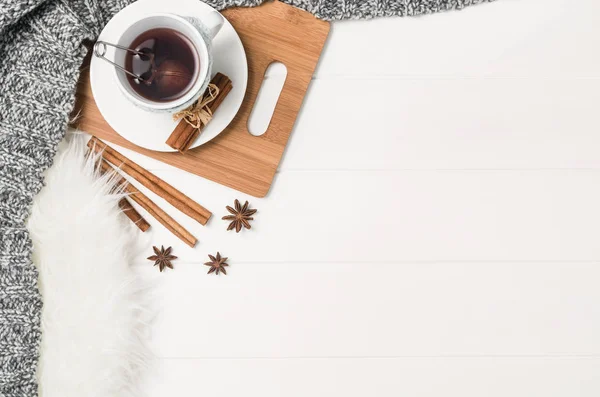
point(94, 311)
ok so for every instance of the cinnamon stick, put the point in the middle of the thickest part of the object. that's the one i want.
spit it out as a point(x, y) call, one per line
point(129, 211)
point(186, 138)
point(132, 214)
point(225, 86)
point(182, 136)
point(153, 209)
point(173, 196)
point(185, 135)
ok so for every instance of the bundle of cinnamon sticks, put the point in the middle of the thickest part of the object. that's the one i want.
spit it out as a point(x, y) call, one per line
point(185, 134)
point(173, 196)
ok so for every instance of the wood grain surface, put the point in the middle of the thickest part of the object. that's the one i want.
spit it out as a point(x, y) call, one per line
point(273, 32)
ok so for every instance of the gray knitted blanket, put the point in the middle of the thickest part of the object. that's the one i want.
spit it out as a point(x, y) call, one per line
point(40, 54)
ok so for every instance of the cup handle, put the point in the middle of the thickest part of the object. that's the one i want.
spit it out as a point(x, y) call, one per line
point(213, 22)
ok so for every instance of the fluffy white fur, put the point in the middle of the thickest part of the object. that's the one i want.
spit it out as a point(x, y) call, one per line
point(93, 321)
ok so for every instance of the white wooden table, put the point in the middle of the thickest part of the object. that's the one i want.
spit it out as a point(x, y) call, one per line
point(434, 229)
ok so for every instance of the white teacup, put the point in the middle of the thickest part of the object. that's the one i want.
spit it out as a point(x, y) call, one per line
point(199, 32)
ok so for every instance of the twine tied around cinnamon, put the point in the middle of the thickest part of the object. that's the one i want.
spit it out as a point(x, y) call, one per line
point(199, 114)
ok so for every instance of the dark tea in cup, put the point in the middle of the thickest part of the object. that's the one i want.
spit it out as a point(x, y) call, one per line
point(162, 62)
point(166, 63)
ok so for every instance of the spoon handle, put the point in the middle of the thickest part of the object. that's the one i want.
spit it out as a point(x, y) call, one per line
point(100, 51)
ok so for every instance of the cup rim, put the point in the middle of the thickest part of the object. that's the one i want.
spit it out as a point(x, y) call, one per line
point(198, 41)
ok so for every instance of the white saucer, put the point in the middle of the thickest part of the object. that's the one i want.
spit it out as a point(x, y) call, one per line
point(151, 130)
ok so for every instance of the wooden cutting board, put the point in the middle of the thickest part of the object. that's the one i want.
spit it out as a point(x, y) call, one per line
point(271, 32)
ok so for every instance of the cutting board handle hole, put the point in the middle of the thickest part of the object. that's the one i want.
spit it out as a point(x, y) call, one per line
point(266, 99)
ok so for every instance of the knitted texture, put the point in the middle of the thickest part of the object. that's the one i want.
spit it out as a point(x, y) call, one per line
point(332, 10)
point(40, 54)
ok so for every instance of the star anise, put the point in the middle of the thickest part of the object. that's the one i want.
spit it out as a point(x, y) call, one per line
point(240, 216)
point(217, 264)
point(162, 258)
